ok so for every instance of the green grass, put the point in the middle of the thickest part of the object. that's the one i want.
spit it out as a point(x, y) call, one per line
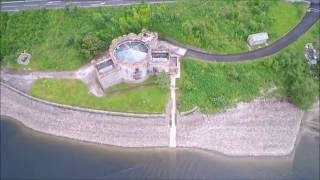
point(284, 16)
point(55, 38)
point(125, 86)
point(213, 86)
point(149, 99)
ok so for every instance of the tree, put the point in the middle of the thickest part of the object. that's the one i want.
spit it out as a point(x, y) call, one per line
point(90, 45)
point(303, 91)
point(98, 19)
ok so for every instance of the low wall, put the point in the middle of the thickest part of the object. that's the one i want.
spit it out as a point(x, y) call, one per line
point(135, 130)
point(185, 113)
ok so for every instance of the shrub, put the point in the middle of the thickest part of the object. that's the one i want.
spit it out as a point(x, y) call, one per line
point(302, 92)
point(163, 80)
point(90, 45)
point(69, 41)
point(71, 10)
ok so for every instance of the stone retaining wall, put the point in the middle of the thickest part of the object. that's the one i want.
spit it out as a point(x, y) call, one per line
point(128, 130)
point(263, 127)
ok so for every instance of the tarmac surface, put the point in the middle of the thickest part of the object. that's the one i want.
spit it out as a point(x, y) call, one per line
point(33, 4)
point(309, 19)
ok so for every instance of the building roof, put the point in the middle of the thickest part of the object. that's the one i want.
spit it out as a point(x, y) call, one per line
point(160, 55)
point(104, 64)
point(258, 36)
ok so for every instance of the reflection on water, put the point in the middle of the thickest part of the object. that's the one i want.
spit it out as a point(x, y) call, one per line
point(26, 153)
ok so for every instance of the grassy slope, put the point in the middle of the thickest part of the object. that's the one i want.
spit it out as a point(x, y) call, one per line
point(54, 36)
point(150, 99)
point(212, 86)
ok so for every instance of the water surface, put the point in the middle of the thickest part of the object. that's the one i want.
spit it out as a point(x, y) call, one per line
point(29, 154)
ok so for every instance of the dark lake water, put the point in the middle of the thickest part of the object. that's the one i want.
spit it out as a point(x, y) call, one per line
point(29, 154)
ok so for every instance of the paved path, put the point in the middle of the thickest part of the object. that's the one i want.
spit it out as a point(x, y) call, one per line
point(173, 128)
point(310, 18)
point(23, 79)
point(32, 4)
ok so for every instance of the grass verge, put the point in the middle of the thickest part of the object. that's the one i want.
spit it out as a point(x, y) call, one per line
point(213, 86)
point(143, 99)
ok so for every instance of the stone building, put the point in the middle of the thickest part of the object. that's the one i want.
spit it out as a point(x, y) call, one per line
point(133, 57)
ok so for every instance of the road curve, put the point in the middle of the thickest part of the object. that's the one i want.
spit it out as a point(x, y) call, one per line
point(310, 18)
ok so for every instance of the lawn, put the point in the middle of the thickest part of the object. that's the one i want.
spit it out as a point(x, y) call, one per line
point(67, 38)
point(213, 86)
point(141, 99)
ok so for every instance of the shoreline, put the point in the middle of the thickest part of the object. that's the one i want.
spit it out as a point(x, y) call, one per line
point(103, 128)
point(154, 131)
point(101, 156)
point(262, 127)
point(98, 146)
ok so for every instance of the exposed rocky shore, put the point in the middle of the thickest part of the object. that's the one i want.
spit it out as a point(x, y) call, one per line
point(263, 127)
point(86, 126)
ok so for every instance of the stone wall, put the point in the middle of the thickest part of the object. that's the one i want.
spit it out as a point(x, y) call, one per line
point(264, 127)
point(92, 126)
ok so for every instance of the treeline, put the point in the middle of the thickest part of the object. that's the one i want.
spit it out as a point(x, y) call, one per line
point(299, 79)
point(27, 28)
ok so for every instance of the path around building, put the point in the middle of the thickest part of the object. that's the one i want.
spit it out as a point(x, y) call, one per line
point(23, 80)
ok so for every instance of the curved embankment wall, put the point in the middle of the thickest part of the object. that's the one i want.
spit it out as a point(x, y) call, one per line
point(263, 127)
point(120, 129)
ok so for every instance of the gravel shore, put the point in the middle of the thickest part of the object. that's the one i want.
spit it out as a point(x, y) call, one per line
point(263, 127)
point(91, 127)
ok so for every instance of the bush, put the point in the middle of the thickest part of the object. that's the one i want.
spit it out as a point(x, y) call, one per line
point(163, 80)
point(69, 41)
point(71, 10)
point(90, 45)
point(302, 92)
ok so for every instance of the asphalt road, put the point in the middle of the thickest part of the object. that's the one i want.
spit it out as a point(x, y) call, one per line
point(32, 4)
point(310, 18)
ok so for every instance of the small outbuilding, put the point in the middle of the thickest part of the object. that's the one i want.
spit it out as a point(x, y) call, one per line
point(257, 39)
